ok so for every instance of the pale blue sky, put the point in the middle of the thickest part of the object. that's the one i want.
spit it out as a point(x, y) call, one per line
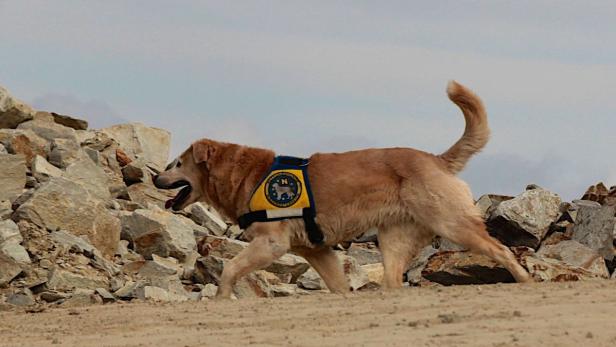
point(301, 77)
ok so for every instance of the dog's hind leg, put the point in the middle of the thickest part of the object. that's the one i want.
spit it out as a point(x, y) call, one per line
point(329, 267)
point(399, 245)
point(270, 241)
point(471, 232)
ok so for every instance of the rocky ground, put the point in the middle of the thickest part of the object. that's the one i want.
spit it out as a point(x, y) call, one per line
point(81, 225)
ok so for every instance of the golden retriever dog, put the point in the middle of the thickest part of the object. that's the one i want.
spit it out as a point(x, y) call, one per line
point(409, 195)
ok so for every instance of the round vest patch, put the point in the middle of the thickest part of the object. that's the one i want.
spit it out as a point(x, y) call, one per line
point(283, 189)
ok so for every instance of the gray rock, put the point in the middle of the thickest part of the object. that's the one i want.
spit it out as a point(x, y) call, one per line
point(158, 232)
point(129, 289)
point(16, 252)
point(105, 295)
point(207, 218)
point(53, 296)
point(65, 152)
point(369, 235)
point(449, 268)
point(365, 254)
point(158, 294)
point(90, 176)
point(446, 245)
point(209, 290)
point(3, 149)
point(62, 204)
point(12, 176)
point(12, 111)
point(576, 254)
point(49, 130)
point(6, 209)
point(42, 170)
point(594, 227)
point(525, 219)
point(159, 266)
point(140, 141)
point(145, 193)
point(67, 121)
point(23, 298)
point(311, 280)
point(413, 274)
point(488, 202)
point(64, 280)
point(81, 297)
point(72, 242)
point(9, 269)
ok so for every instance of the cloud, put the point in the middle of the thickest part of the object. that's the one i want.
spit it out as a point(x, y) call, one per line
point(98, 113)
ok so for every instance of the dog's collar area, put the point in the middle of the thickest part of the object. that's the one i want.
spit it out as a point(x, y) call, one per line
point(284, 193)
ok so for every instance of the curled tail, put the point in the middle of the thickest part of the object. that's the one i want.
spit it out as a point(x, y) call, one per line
point(476, 133)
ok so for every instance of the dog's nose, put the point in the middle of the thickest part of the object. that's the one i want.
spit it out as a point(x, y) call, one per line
point(154, 178)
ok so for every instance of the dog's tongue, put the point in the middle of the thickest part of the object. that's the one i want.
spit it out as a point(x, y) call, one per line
point(169, 203)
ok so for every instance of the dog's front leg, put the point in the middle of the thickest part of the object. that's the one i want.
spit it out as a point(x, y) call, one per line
point(270, 241)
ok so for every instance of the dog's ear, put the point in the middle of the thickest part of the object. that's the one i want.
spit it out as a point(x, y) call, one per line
point(202, 151)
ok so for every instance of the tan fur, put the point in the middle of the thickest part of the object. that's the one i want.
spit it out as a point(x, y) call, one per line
point(409, 195)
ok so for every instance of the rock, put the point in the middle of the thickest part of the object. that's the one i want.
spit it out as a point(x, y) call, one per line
point(374, 272)
point(65, 152)
point(105, 295)
point(6, 209)
point(208, 219)
point(209, 290)
point(158, 232)
point(145, 193)
point(49, 130)
point(159, 266)
point(129, 290)
point(449, 268)
point(15, 251)
point(67, 121)
point(140, 141)
point(23, 298)
point(233, 232)
point(81, 297)
point(413, 274)
point(135, 172)
point(12, 111)
point(159, 294)
point(72, 242)
point(575, 254)
point(598, 193)
point(42, 170)
point(365, 253)
point(553, 270)
point(283, 289)
point(446, 245)
point(62, 204)
point(9, 269)
point(122, 158)
point(64, 280)
point(311, 280)
point(223, 247)
point(525, 219)
point(24, 142)
point(488, 202)
point(3, 149)
point(53, 296)
point(90, 176)
point(594, 227)
point(12, 176)
point(369, 235)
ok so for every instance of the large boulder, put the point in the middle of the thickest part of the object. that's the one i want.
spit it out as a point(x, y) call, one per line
point(49, 130)
point(90, 176)
point(525, 219)
point(9, 269)
point(542, 268)
point(42, 170)
point(65, 152)
point(159, 232)
point(12, 111)
point(140, 141)
point(64, 280)
point(449, 268)
point(594, 227)
point(12, 176)
point(68, 121)
point(63, 204)
point(576, 254)
point(488, 202)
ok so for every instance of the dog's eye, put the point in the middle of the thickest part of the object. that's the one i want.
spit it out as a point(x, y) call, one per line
point(179, 164)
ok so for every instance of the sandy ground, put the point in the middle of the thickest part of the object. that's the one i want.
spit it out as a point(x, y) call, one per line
point(548, 314)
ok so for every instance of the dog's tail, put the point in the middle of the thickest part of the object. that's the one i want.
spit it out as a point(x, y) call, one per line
point(476, 134)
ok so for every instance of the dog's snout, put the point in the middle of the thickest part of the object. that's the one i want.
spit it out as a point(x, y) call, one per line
point(154, 177)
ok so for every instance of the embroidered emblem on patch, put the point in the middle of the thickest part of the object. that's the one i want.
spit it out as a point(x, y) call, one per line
point(283, 189)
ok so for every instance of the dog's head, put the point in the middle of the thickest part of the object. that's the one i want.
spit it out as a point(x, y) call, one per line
point(187, 172)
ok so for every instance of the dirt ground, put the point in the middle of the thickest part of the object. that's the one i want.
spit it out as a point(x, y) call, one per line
point(542, 314)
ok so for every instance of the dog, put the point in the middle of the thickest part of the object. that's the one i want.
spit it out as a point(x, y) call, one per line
point(280, 190)
point(408, 194)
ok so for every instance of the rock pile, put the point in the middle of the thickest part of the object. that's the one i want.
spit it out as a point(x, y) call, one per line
point(81, 223)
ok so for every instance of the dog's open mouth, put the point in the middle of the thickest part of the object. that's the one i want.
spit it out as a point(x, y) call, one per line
point(181, 196)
